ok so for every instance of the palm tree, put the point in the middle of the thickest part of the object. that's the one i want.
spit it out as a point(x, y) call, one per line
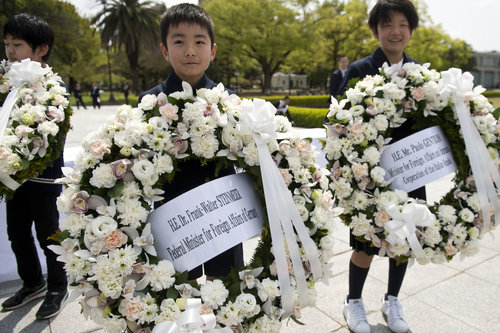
point(130, 23)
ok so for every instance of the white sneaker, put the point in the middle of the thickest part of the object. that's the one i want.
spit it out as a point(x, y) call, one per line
point(393, 311)
point(355, 315)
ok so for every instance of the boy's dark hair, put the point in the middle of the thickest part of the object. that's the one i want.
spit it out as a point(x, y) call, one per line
point(382, 10)
point(186, 13)
point(32, 29)
point(341, 56)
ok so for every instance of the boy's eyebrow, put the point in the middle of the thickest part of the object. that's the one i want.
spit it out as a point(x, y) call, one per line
point(179, 34)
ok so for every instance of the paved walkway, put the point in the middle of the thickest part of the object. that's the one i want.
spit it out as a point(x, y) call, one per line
point(460, 296)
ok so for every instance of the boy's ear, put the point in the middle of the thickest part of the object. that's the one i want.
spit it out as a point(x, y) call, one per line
point(374, 33)
point(164, 52)
point(213, 51)
point(41, 51)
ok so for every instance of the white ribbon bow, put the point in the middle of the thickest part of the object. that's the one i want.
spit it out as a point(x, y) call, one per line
point(257, 119)
point(485, 173)
point(20, 73)
point(190, 321)
point(404, 225)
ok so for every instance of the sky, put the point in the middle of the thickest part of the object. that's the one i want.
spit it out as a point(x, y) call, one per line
point(475, 21)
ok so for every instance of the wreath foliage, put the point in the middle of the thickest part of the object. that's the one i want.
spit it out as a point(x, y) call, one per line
point(360, 128)
point(38, 123)
point(108, 248)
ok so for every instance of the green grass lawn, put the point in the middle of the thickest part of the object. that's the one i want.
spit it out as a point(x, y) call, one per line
point(119, 99)
point(495, 101)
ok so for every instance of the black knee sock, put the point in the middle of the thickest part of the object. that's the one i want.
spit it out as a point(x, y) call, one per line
point(396, 276)
point(357, 277)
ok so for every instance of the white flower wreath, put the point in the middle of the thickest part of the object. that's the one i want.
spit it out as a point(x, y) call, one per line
point(108, 248)
point(34, 120)
point(359, 130)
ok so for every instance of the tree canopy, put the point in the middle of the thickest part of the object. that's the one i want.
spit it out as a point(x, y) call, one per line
point(132, 24)
point(266, 31)
point(75, 54)
point(255, 38)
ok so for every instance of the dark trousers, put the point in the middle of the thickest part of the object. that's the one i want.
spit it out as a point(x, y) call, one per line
point(28, 206)
point(79, 101)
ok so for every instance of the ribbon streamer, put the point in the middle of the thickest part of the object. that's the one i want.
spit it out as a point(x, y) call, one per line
point(19, 74)
point(257, 119)
point(405, 222)
point(190, 321)
point(485, 173)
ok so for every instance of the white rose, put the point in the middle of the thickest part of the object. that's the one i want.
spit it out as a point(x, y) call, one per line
point(145, 171)
point(103, 225)
point(378, 174)
point(356, 110)
point(467, 215)
point(344, 116)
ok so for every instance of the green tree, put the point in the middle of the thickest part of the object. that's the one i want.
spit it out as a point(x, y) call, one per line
point(266, 31)
point(446, 51)
point(75, 53)
point(132, 24)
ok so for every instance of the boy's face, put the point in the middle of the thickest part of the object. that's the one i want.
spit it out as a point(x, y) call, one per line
point(343, 63)
point(18, 49)
point(393, 35)
point(189, 51)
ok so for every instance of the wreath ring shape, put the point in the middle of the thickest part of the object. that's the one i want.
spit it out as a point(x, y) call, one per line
point(108, 248)
point(34, 121)
point(359, 131)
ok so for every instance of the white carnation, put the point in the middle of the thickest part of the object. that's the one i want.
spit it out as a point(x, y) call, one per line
point(360, 225)
point(214, 293)
point(161, 277)
point(447, 213)
point(380, 122)
point(148, 102)
point(48, 128)
point(102, 176)
point(371, 155)
point(268, 289)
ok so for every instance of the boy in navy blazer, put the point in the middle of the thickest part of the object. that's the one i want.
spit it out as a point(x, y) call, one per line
point(187, 43)
point(392, 22)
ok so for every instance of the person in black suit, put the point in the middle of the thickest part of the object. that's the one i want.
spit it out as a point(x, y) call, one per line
point(338, 74)
point(187, 42)
point(282, 109)
point(77, 92)
point(96, 95)
point(126, 90)
point(392, 23)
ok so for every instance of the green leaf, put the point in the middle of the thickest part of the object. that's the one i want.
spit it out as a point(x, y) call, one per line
point(117, 190)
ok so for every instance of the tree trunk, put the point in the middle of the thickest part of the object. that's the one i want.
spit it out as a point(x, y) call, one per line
point(268, 75)
point(133, 59)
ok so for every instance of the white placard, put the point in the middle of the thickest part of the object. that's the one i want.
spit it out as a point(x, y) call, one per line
point(418, 159)
point(206, 221)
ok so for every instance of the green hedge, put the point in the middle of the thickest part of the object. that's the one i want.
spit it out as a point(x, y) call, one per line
point(491, 93)
point(308, 117)
point(309, 100)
